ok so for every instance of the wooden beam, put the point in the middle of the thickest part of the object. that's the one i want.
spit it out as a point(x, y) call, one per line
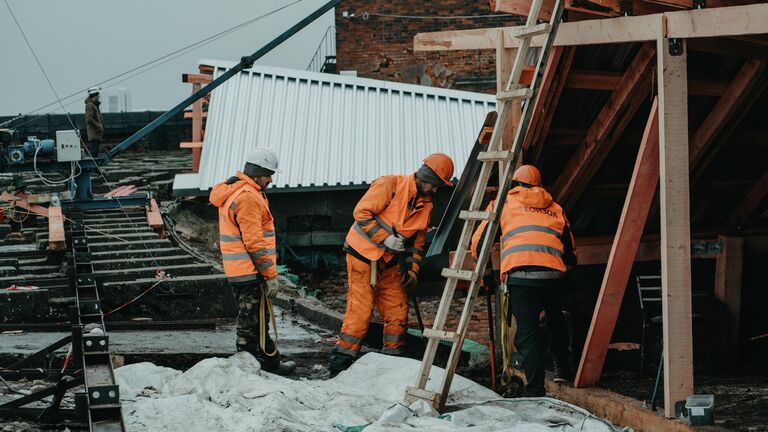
point(642, 187)
point(730, 47)
point(608, 80)
point(721, 21)
point(728, 288)
point(22, 202)
point(737, 93)
point(197, 127)
point(750, 203)
point(675, 224)
point(553, 80)
point(154, 218)
point(725, 21)
point(619, 410)
point(56, 238)
point(606, 129)
point(521, 8)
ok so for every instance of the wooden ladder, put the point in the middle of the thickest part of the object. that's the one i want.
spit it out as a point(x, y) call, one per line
point(507, 160)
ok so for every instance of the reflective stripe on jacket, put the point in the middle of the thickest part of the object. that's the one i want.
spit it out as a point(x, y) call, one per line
point(246, 230)
point(534, 231)
point(390, 201)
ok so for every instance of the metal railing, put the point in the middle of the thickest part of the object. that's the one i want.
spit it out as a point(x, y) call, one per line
point(324, 59)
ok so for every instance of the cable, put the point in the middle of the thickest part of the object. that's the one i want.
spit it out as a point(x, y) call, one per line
point(72, 174)
point(106, 314)
point(180, 51)
point(367, 14)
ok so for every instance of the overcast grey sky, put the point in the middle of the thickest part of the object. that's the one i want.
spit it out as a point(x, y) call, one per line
point(82, 42)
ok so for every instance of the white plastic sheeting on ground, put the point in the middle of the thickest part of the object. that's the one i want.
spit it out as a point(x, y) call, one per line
point(233, 394)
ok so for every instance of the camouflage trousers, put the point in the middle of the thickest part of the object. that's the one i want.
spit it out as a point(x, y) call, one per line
point(248, 300)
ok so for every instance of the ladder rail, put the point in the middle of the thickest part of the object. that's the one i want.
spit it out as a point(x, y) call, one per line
point(493, 226)
point(476, 201)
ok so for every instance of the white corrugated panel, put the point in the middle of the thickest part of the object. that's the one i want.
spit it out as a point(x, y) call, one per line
point(331, 130)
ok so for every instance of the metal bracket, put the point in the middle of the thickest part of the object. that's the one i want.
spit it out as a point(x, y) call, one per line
point(625, 8)
point(82, 257)
point(675, 46)
point(86, 280)
point(699, 4)
point(80, 241)
point(95, 344)
point(90, 307)
point(246, 62)
point(103, 395)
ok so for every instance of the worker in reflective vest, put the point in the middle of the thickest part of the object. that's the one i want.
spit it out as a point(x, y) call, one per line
point(537, 250)
point(384, 248)
point(247, 243)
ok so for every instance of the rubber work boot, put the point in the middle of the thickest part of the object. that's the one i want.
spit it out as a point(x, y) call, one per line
point(562, 371)
point(339, 362)
point(279, 367)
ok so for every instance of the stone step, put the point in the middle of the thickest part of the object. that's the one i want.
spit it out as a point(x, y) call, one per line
point(149, 272)
point(11, 262)
point(131, 254)
point(122, 237)
point(8, 271)
point(116, 225)
point(133, 262)
point(29, 306)
point(130, 245)
point(184, 297)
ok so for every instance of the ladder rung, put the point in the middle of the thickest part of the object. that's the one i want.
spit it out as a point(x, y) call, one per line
point(466, 275)
point(441, 334)
point(494, 156)
point(477, 215)
point(528, 32)
point(521, 93)
point(412, 394)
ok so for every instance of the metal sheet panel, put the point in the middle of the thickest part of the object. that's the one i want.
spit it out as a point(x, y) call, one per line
point(331, 130)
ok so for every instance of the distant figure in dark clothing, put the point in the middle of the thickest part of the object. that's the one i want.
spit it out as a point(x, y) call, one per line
point(95, 126)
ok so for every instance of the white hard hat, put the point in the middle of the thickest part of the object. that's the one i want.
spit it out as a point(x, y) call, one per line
point(94, 91)
point(264, 158)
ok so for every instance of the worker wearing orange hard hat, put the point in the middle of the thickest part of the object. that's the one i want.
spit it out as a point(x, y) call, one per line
point(384, 248)
point(537, 249)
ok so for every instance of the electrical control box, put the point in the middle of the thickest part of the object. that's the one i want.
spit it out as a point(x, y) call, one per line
point(68, 146)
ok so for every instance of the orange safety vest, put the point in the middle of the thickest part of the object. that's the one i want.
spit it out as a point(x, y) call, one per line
point(406, 222)
point(247, 263)
point(531, 236)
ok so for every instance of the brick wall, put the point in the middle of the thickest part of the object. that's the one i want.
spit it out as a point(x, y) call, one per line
point(382, 47)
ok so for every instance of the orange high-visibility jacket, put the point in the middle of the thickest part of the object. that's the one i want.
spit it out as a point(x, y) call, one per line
point(246, 230)
point(534, 231)
point(390, 201)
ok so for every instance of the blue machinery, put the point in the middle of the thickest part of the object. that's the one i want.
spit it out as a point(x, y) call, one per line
point(98, 406)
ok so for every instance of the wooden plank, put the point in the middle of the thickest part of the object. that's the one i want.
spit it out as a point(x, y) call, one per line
point(738, 93)
point(606, 129)
point(750, 203)
point(728, 288)
point(22, 202)
point(521, 7)
point(608, 80)
point(154, 219)
point(190, 145)
point(56, 238)
point(675, 225)
point(619, 410)
point(642, 187)
point(188, 114)
point(196, 78)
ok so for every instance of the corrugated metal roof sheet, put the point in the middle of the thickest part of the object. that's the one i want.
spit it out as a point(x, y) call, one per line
point(332, 130)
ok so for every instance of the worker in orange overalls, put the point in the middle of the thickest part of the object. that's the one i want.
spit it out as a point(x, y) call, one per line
point(247, 242)
point(384, 248)
point(536, 251)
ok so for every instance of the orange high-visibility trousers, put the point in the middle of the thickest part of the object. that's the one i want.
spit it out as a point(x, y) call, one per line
point(388, 297)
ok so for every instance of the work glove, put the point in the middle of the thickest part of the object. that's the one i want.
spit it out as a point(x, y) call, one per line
point(395, 243)
point(273, 286)
point(410, 281)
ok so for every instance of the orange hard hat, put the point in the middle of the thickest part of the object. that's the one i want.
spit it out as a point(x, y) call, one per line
point(528, 174)
point(442, 165)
